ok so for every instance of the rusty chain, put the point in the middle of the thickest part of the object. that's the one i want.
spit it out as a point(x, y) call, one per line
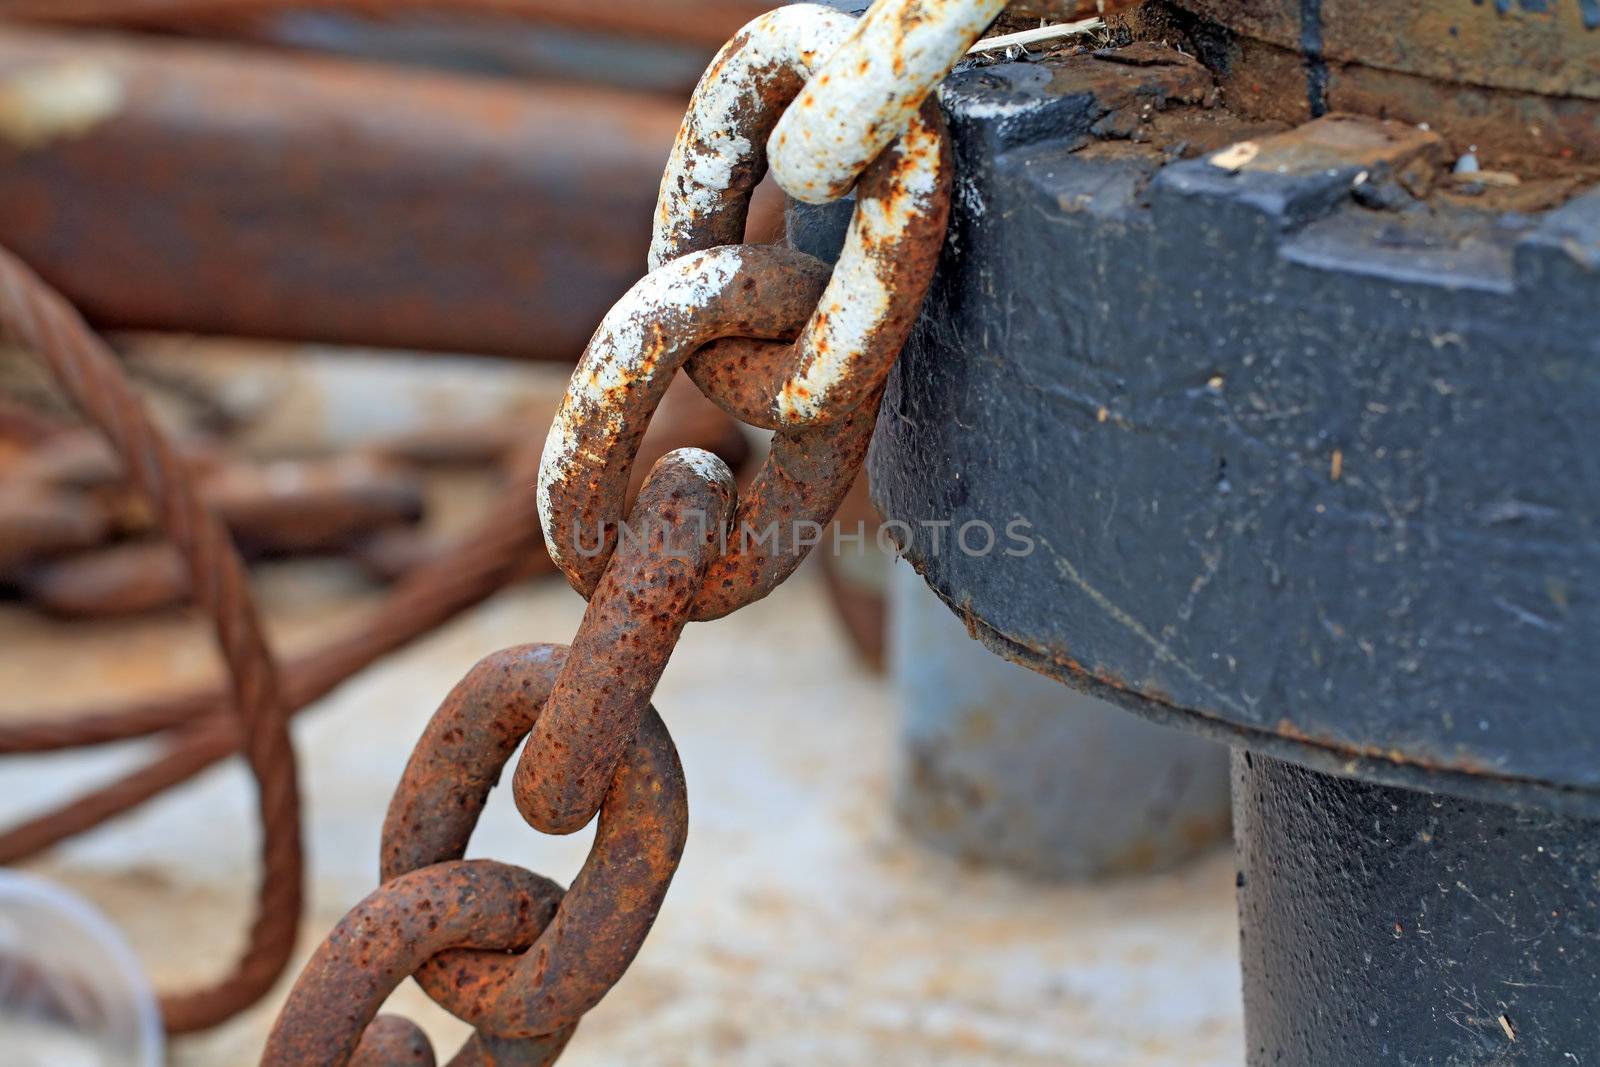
point(40, 320)
point(773, 337)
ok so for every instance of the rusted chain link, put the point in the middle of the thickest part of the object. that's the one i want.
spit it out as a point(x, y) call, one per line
point(39, 320)
point(860, 322)
point(454, 906)
point(628, 633)
point(595, 743)
point(854, 328)
point(868, 90)
point(570, 957)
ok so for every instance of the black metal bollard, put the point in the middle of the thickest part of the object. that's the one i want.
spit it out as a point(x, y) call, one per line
point(1299, 415)
point(1386, 925)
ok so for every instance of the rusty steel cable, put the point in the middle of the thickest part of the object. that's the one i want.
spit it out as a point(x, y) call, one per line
point(38, 319)
point(822, 347)
point(503, 542)
point(503, 546)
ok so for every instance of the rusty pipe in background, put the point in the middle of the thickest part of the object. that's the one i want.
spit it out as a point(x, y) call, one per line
point(208, 188)
point(703, 22)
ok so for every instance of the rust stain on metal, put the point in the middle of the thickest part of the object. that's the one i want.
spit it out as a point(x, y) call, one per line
point(1069, 10)
point(497, 946)
point(118, 580)
point(391, 1041)
point(739, 308)
point(1545, 48)
point(603, 918)
point(706, 22)
point(754, 290)
point(719, 155)
point(36, 522)
point(302, 506)
point(1294, 732)
point(478, 905)
point(860, 323)
point(1140, 78)
point(762, 291)
point(594, 742)
point(676, 529)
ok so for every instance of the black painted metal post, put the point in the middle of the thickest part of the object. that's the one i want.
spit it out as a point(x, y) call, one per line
point(1304, 429)
point(1391, 926)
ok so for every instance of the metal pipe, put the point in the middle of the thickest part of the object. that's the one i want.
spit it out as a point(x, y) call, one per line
point(1385, 925)
point(1002, 766)
point(212, 189)
point(706, 22)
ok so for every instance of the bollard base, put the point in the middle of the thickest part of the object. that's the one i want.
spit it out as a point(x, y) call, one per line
point(1002, 766)
point(1386, 926)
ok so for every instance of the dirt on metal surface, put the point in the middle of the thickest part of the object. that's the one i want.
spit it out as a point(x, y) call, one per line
point(1163, 105)
point(1510, 79)
point(1547, 48)
point(1415, 156)
point(1068, 10)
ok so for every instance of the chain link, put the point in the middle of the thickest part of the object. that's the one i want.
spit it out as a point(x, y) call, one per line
point(773, 337)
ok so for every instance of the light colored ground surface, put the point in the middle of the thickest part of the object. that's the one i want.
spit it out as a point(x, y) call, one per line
point(802, 928)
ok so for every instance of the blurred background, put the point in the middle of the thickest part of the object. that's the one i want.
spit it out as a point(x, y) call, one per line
point(347, 262)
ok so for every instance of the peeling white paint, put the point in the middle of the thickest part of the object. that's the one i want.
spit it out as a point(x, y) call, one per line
point(707, 466)
point(624, 351)
point(867, 91)
point(858, 300)
point(710, 146)
point(970, 197)
point(715, 142)
point(972, 105)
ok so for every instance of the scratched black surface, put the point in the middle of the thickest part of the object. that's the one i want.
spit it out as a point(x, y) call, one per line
point(1156, 366)
point(1387, 927)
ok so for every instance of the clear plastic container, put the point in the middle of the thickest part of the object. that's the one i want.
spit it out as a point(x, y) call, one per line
point(72, 994)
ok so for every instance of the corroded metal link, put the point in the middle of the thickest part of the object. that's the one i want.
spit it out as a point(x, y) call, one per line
point(677, 528)
point(478, 904)
point(771, 337)
point(720, 154)
point(890, 251)
point(751, 297)
point(584, 474)
point(391, 1041)
point(796, 492)
point(868, 91)
point(748, 290)
point(604, 917)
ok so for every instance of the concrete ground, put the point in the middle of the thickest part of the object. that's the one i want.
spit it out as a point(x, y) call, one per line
point(803, 926)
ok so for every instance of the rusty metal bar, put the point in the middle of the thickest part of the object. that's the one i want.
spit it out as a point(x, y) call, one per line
point(706, 22)
point(212, 189)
